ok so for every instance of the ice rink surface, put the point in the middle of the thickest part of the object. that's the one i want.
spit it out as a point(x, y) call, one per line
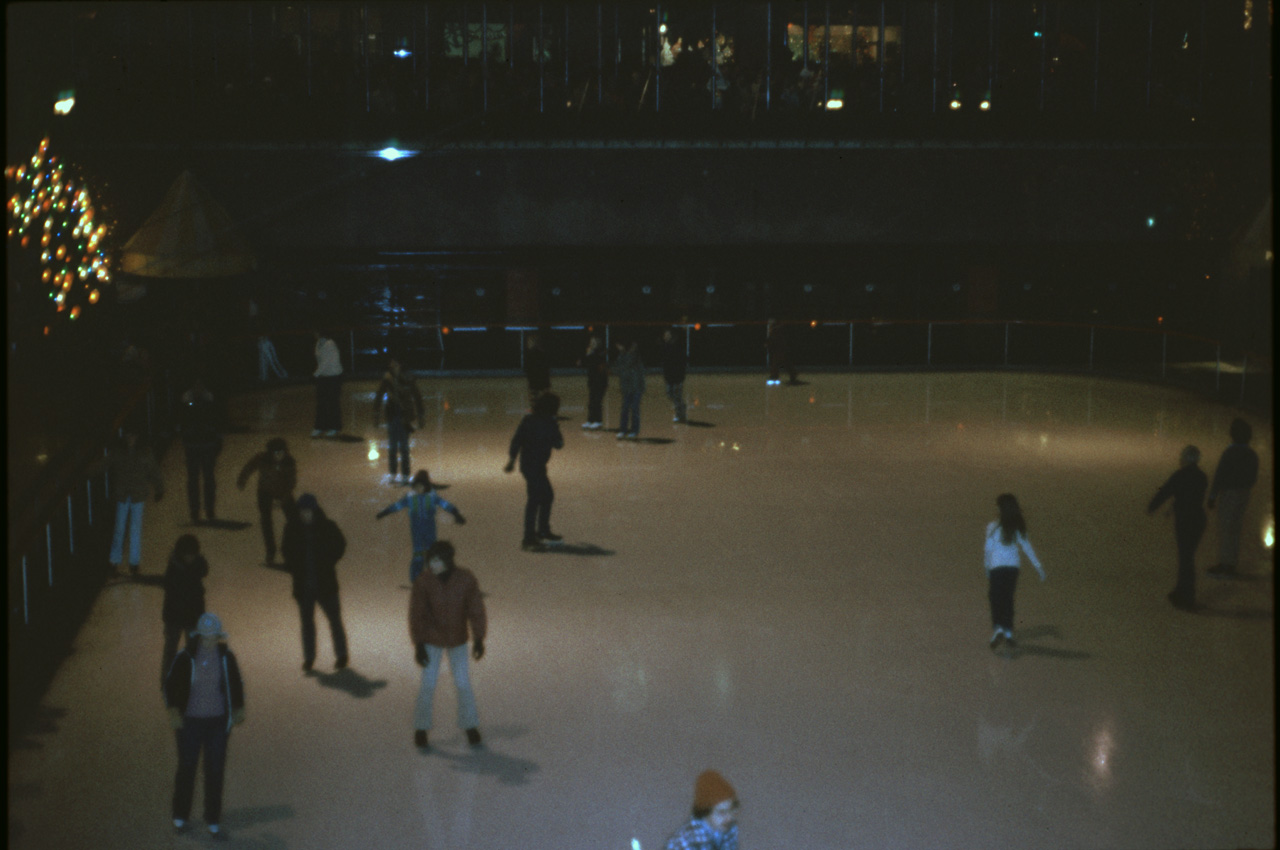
point(789, 590)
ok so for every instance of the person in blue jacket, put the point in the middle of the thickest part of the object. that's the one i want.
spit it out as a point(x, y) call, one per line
point(422, 501)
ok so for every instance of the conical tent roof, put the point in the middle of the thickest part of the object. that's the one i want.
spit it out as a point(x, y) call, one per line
point(190, 235)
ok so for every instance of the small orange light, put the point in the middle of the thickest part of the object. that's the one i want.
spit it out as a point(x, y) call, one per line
point(93, 297)
point(813, 324)
point(444, 331)
point(1159, 320)
point(697, 326)
point(46, 330)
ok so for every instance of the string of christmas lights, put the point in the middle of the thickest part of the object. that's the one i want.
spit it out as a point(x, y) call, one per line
point(52, 207)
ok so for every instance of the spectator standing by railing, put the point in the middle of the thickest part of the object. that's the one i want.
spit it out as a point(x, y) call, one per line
point(630, 371)
point(596, 361)
point(328, 377)
point(674, 368)
point(134, 477)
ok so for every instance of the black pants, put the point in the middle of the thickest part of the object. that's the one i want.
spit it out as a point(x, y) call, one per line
point(1188, 533)
point(172, 637)
point(328, 403)
point(537, 507)
point(333, 611)
point(264, 517)
point(1001, 583)
point(595, 402)
point(200, 462)
point(211, 735)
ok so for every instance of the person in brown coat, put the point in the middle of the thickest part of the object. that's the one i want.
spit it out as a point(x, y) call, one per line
point(444, 602)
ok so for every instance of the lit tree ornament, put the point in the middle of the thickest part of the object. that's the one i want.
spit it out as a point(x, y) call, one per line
point(53, 217)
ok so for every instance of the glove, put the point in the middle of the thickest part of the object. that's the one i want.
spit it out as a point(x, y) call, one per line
point(382, 513)
point(420, 655)
point(459, 518)
point(511, 465)
point(237, 717)
point(175, 717)
point(477, 650)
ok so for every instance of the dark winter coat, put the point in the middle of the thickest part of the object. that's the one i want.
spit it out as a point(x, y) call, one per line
point(399, 398)
point(198, 420)
point(597, 364)
point(327, 546)
point(630, 371)
point(533, 441)
point(184, 591)
point(274, 479)
point(674, 366)
point(537, 369)
point(1187, 487)
point(177, 685)
point(134, 475)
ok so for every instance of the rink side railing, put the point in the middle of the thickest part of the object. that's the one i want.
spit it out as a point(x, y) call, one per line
point(1225, 373)
point(58, 538)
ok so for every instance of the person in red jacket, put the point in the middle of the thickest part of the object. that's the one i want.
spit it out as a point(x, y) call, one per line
point(446, 601)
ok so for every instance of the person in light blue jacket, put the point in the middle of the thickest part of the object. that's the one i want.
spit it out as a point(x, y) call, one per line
point(1002, 559)
point(422, 503)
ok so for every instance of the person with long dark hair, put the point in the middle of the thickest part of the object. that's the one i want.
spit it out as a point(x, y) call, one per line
point(1186, 487)
point(1006, 542)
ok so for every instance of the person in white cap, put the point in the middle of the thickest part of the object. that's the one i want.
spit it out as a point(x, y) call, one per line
point(714, 824)
point(205, 698)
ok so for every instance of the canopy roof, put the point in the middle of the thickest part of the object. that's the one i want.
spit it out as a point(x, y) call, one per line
point(189, 235)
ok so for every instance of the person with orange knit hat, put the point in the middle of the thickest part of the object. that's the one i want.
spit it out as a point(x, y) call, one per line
point(714, 826)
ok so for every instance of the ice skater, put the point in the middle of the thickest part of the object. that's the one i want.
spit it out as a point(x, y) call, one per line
point(183, 597)
point(312, 547)
point(715, 810)
point(277, 476)
point(134, 476)
point(422, 502)
point(596, 360)
point(1186, 487)
point(1002, 559)
point(1235, 476)
point(674, 367)
point(537, 367)
point(328, 377)
point(445, 603)
point(535, 438)
point(398, 397)
point(630, 371)
point(201, 443)
point(205, 697)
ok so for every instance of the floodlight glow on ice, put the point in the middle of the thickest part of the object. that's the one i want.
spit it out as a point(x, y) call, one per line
point(64, 106)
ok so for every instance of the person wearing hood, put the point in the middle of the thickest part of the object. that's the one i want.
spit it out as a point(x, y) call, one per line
point(183, 596)
point(422, 502)
point(277, 476)
point(445, 603)
point(312, 547)
point(205, 698)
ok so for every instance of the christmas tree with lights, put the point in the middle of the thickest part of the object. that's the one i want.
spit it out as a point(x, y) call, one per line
point(59, 267)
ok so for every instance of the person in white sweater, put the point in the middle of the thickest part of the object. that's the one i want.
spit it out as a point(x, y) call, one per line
point(328, 377)
point(1006, 541)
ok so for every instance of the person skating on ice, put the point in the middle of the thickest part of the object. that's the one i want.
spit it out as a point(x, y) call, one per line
point(183, 597)
point(630, 371)
point(134, 476)
point(714, 823)
point(201, 443)
point(328, 377)
point(398, 398)
point(205, 697)
point(596, 361)
point(674, 367)
point(1235, 476)
point(421, 502)
point(776, 342)
point(444, 606)
point(312, 547)
point(277, 476)
point(1006, 541)
point(535, 438)
point(1186, 487)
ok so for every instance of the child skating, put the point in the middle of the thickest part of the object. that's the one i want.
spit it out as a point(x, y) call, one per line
point(1002, 559)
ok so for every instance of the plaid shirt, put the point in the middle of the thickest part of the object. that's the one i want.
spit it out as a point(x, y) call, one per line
point(697, 835)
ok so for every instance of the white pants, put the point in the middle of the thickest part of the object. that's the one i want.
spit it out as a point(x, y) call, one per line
point(459, 666)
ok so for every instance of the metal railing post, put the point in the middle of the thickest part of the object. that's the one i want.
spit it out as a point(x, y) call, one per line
point(928, 353)
point(1092, 331)
point(88, 499)
point(48, 548)
point(1244, 368)
point(351, 336)
point(1217, 370)
point(71, 529)
point(522, 349)
point(851, 344)
point(1006, 343)
point(26, 612)
point(1164, 350)
point(687, 343)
